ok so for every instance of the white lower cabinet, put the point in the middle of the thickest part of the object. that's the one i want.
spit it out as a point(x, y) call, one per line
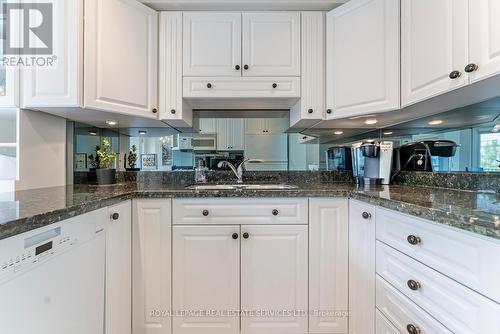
point(361, 268)
point(118, 310)
point(206, 277)
point(383, 326)
point(151, 266)
point(274, 267)
point(328, 265)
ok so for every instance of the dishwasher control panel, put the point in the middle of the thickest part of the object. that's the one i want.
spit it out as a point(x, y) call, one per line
point(24, 251)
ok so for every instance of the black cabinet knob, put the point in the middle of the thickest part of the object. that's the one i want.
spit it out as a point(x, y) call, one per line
point(366, 215)
point(413, 285)
point(235, 236)
point(276, 212)
point(246, 67)
point(246, 235)
point(329, 111)
point(155, 110)
point(414, 240)
point(205, 213)
point(237, 67)
point(412, 329)
point(471, 68)
point(310, 111)
point(172, 111)
point(209, 85)
point(275, 85)
point(455, 74)
point(304, 138)
point(115, 216)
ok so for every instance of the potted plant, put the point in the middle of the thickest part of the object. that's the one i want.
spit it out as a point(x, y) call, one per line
point(105, 174)
point(132, 159)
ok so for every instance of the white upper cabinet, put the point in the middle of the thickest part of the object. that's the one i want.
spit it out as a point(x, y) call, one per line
point(121, 51)
point(212, 44)
point(231, 134)
point(271, 44)
point(362, 58)
point(434, 47)
point(173, 109)
point(484, 38)
point(60, 85)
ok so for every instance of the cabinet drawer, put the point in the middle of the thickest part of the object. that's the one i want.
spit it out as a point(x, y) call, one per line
point(458, 308)
point(402, 313)
point(383, 326)
point(245, 87)
point(461, 256)
point(241, 211)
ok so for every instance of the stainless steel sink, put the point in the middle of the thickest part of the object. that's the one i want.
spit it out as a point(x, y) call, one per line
point(242, 187)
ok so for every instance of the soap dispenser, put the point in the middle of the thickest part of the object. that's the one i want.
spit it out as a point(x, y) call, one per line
point(200, 174)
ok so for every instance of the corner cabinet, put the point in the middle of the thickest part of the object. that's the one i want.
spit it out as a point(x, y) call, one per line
point(328, 265)
point(119, 269)
point(151, 266)
point(362, 58)
point(434, 49)
point(361, 268)
point(121, 56)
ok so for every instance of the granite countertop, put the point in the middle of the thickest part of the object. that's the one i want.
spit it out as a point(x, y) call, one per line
point(477, 212)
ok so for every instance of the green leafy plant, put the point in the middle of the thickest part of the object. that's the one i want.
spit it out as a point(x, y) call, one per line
point(106, 157)
point(132, 156)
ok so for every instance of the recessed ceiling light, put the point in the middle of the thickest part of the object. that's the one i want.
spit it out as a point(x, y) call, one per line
point(338, 133)
point(436, 122)
point(142, 132)
point(93, 133)
point(388, 133)
point(111, 122)
point(371, 121)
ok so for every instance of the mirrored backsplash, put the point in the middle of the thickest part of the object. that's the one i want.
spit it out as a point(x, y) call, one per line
point(471, 134)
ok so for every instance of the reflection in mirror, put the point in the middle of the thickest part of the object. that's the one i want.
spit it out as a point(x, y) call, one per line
point(8, 149)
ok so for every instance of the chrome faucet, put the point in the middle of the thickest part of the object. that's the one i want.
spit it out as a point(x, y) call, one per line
point(238, 171)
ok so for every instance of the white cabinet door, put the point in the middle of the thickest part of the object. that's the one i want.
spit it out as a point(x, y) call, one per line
point(271, 44)
point(151, 246)
point(121, 56)
point(208, 125)
point(119, 270)
point(274, 270)
point(212, 44)
point(484, 41)
point(363, 58)
point(328, 264)
point(173, 109)
point(383, 326)
point(60, 85)
point(434, 44)
point(361, 268)
point(206, 276)
point(255, 126)
point(231, 134)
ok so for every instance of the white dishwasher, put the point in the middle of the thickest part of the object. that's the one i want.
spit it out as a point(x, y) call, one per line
point(52, 279)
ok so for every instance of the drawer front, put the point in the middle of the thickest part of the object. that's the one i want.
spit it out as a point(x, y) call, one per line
point(383, 326)
point(404, 314)
point(248, 211)
point(458, 308)
point(463, 257)
point(207, 87)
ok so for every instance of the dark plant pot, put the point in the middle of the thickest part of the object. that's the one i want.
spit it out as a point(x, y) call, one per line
point(132, 169)
point(105, 176)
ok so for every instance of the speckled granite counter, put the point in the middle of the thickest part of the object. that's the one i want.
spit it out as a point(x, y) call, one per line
point(478, 212)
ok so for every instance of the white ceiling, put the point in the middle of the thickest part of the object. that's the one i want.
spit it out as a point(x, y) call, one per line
point(243, 5)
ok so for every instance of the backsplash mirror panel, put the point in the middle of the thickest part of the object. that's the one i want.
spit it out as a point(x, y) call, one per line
point(474, 132)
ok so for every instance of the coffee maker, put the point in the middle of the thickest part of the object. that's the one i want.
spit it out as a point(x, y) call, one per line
point(338, 159)
point(372, 162)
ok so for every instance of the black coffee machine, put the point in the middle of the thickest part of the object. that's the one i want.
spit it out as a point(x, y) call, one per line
point(338, 159)
point(417, 156)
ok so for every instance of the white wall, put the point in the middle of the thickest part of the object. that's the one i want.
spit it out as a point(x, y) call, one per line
point(42, 150)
